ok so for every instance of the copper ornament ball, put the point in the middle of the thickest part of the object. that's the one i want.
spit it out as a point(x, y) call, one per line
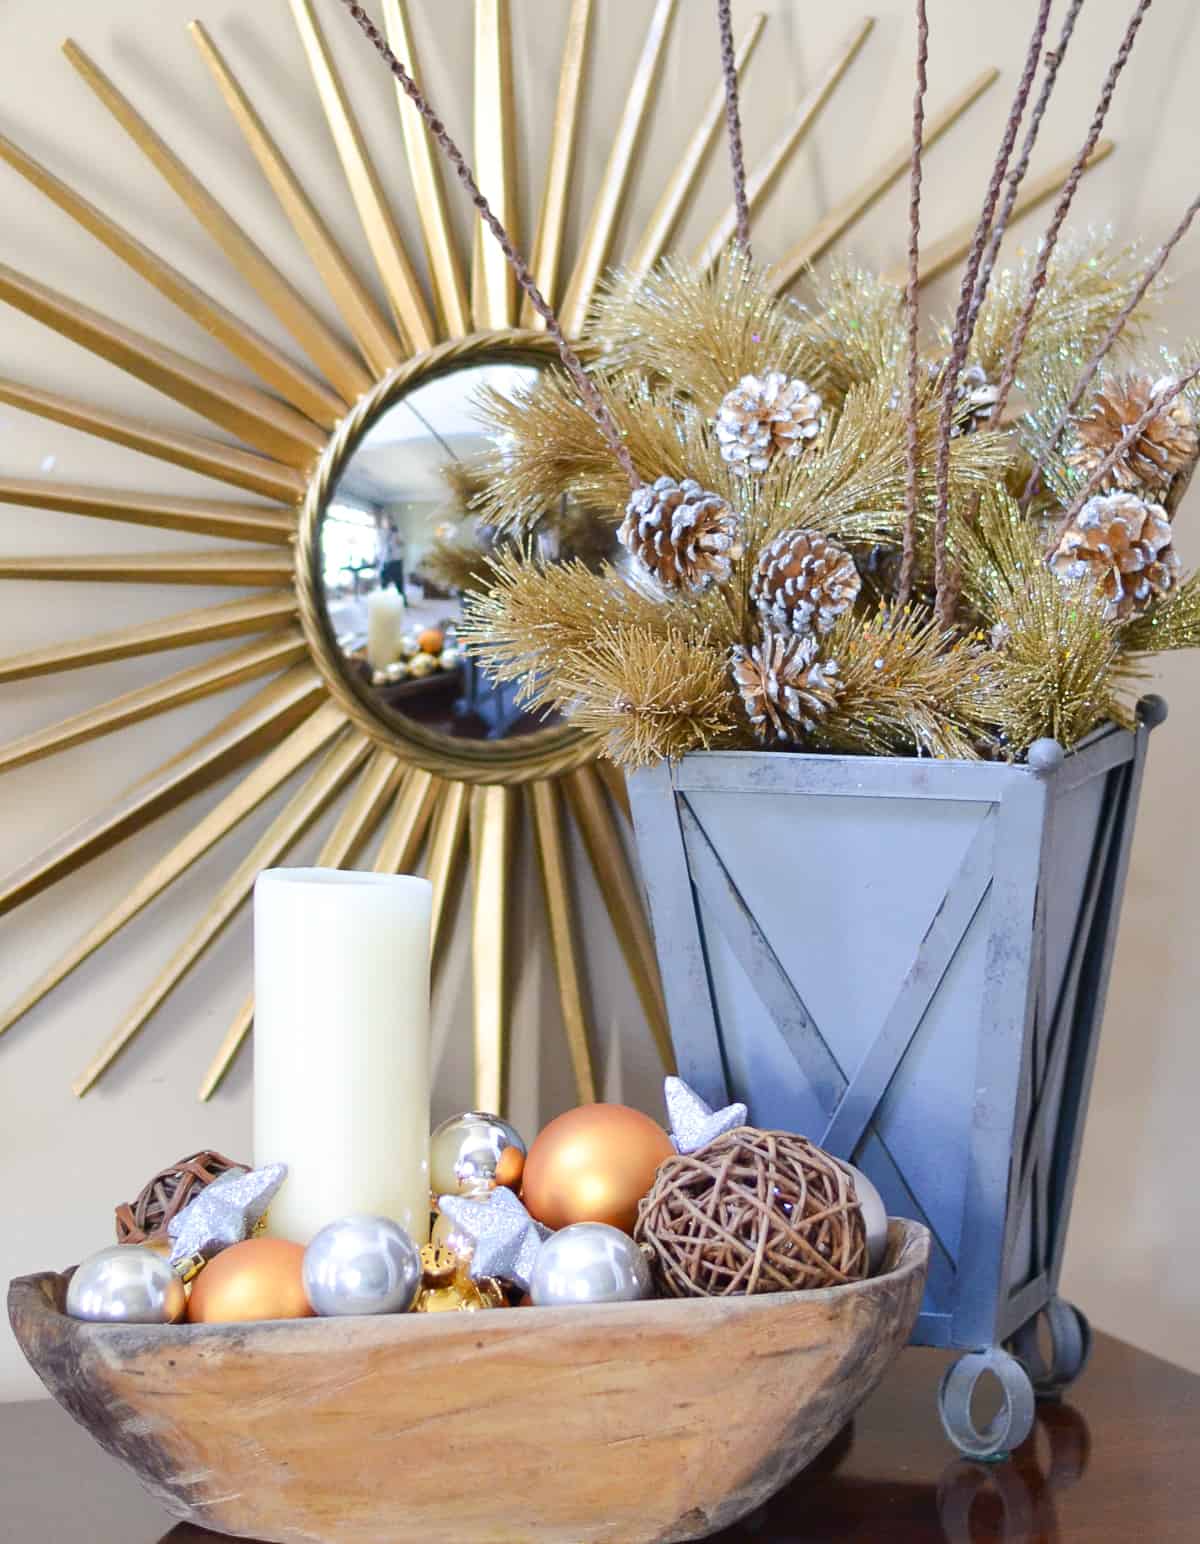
point(593, 1164)
point(261, 1278)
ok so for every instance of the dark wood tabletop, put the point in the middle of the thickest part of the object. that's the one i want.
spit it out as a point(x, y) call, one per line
point(1116, 1462)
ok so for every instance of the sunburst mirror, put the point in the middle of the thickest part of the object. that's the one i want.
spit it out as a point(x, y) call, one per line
point(345, 462)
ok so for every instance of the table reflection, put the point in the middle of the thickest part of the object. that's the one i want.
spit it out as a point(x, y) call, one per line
point(971, 1503)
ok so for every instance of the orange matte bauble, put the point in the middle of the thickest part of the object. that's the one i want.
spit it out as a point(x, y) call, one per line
point(431, 640)
point(258, 1279)
point(593, 1164)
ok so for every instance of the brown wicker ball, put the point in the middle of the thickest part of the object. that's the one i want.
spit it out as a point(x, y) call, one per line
point(145, 1219)
point(753, 1211)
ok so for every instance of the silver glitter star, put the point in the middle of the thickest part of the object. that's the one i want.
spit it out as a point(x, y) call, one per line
point(506, 1238)
point(695, 1124)
point(225, 1212)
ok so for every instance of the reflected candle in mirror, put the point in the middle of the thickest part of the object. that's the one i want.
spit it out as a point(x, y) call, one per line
point(341, 1046)
point(385, 628)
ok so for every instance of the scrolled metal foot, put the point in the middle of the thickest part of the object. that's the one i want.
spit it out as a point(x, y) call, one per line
point(1070, 1347)
point(1011, 1424)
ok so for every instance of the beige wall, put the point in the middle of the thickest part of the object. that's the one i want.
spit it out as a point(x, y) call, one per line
point(64, 1164)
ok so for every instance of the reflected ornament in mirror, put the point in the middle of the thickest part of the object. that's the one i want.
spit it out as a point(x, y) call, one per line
point(399, 545)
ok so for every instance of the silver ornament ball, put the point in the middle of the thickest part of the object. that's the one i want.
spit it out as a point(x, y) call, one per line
point(126, 1284)
point(361, 1265)
point(464, 1153)
point(589, 1262)
point(875, 1217)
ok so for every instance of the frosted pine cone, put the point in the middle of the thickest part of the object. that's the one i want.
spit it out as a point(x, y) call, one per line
point(803, 582)
point(1123, 544)
point(975, 397)
point(681, 534)
point(765, 416)
point(1168, 444)
point(785, 688)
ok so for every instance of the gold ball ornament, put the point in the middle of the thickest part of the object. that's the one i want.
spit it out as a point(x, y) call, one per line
point(593, 1164)
point(261, 1278)
point(447, 1287)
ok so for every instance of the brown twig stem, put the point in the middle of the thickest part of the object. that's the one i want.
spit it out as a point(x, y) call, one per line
point(912, 470)
point(585, 385)
point(1065, 199)
point(961, 337)
point(733, 125)
point(1015, 178)
point(1151, 272)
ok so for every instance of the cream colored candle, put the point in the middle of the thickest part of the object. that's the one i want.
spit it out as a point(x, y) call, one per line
point(385, 627)
point(341, 1046)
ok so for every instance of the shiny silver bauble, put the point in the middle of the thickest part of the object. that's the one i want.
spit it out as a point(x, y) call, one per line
point(465, 1153)
point(126, 1284)
point(361, 1265)
point(875, 1217)
point(589, 1262)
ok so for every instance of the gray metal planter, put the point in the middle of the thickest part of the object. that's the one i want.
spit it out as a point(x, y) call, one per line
point(906, 960)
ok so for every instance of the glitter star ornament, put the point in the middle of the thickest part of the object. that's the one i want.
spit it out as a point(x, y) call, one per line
point(225, 1213)
point(694, 1124)
point(505, 1239)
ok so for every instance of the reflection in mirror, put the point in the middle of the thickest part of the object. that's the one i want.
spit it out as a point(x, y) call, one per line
point(400, 546)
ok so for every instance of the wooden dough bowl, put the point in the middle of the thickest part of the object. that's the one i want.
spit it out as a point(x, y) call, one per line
point(629, 1423)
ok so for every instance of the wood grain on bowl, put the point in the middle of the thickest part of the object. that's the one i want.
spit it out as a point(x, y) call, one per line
point(635, 1423)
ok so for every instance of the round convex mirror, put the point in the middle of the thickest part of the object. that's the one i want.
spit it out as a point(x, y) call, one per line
point(393, 545)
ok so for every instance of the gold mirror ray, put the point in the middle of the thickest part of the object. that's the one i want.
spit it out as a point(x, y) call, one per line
point(452, 804)
point(269, 363)
point(198, 517)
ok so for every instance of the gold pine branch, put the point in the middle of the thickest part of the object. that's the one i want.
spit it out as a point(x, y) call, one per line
point(1171, 623)
point(853, 320)
point(647, 696)
point(1056, 667)
point(1088, 283)
point(701, 331)
point(905, 686)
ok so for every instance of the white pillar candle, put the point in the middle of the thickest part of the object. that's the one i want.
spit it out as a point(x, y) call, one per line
point(385, 627)
point(341, 1046)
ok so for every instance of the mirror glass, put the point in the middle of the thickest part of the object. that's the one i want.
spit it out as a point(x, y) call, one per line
point(400, 545)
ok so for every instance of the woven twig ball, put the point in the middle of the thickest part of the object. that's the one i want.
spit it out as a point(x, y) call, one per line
point(753, 1211)
point(145, 1219)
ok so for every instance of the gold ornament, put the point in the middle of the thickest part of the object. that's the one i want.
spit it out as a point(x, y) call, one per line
point(764, 417)
point(261, 1278)
point(447, 1287)
point(445, 1234)
point(803, 581)
point(593, 1164)
point(1123, 544)
point(785, 687)
point(1167, 445)
point(683, 535)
